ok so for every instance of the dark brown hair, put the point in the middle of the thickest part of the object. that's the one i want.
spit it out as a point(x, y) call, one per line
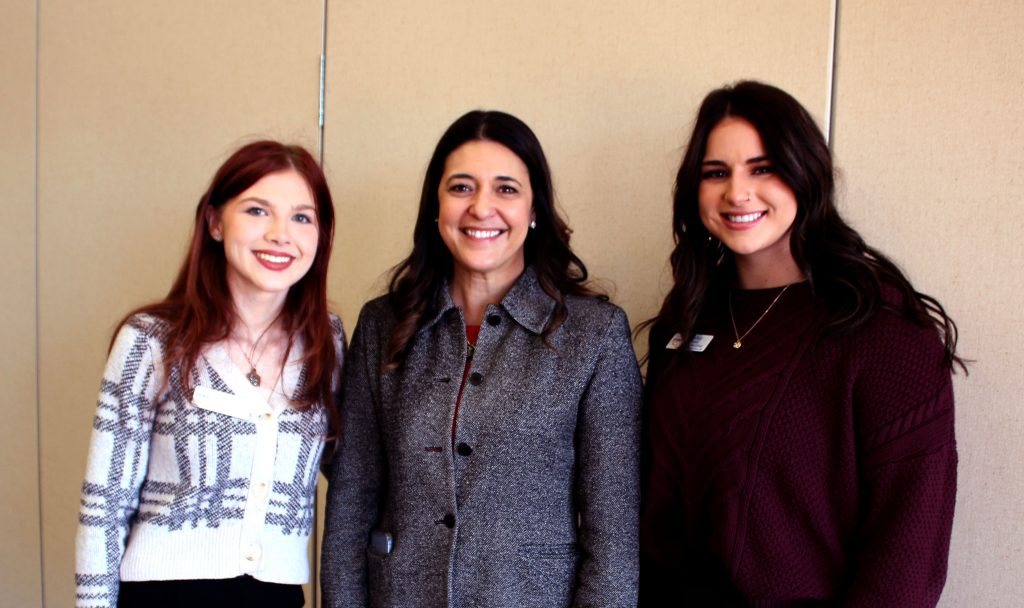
point(846, 274)
point(416, 280)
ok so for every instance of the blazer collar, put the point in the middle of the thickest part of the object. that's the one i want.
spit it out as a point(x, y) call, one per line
point(526, 303)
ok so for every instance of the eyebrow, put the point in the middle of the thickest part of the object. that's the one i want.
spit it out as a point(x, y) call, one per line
point(750, 161)
point(500, 178)
point(266, 203)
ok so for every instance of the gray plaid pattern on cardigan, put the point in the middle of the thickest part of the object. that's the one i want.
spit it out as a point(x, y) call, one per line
point(136, 409)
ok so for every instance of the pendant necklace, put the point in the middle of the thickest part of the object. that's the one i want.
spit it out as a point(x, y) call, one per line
point(253, 376)
point(739, 339)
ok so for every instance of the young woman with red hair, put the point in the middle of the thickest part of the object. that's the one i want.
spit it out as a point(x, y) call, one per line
point(216, 403)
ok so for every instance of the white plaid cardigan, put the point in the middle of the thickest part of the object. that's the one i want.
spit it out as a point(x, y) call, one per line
point(216, 486)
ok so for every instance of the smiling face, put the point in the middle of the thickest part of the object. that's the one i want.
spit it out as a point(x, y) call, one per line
point(270, 235)
point(746, 205)
point(486, 205)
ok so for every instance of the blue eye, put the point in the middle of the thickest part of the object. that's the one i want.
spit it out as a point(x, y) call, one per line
point(257, 211)
point(302, 218)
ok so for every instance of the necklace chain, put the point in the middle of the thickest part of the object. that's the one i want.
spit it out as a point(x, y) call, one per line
point(253, 376)
point(739, 339)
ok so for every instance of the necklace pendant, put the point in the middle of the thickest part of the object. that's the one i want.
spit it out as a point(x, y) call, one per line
point(737, 344)
point(253, 378)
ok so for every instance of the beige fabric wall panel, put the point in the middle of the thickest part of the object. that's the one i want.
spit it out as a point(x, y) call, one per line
point(610, 88)
point(20, 574)
point(928, 129)
point(139, 104)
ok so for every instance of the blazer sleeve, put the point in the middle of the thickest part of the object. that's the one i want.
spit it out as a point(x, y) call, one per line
point(357, 477)
point(116, 464)
point(607, 479)
point(904, 410)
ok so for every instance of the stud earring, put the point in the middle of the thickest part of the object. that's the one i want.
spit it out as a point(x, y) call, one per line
point(533, 223)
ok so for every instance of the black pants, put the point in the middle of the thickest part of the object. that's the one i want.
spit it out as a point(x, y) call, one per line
point(210, 593)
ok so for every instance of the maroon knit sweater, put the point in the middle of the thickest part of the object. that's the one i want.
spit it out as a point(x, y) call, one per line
point(801, 468)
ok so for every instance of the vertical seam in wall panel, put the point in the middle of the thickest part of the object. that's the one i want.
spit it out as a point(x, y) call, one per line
point(321, 102)
point(314, 589)
point(832, 71)
point(35, 206)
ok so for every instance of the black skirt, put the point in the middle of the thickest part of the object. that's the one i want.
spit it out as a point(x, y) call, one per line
point(210, 593)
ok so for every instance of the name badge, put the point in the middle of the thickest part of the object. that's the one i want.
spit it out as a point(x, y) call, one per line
point(675, 342)
point(222, 403)
point(700, 343)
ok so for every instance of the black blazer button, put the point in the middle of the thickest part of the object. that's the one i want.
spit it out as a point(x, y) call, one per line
point(449, 520)
point(494, 320)
point(475, 378)
point(463, 449)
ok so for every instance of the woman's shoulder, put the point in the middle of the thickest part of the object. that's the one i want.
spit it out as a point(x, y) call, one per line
point(594, 313)
point(143, 326)
point(375, 322)
point(140, 336)
point(376, 311)
point(891, 349)
point(897, 371)
point(891, 330)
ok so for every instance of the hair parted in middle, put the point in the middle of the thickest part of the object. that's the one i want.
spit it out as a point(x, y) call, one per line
point(846, 274)
point(416, 280)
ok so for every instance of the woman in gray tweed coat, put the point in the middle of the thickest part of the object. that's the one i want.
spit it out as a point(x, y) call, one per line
point(490, 414)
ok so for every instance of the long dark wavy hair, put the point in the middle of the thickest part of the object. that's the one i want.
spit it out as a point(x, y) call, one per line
point(846, 274)
point(416, 280)
point(199, 310)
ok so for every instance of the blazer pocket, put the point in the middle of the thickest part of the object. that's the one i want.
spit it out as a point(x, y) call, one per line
point(548, 573)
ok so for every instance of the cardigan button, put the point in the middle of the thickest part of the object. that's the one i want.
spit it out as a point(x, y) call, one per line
point(494, 320)
point(449, 520)
point(476, 378)
point(253, 552)
point(463, 449)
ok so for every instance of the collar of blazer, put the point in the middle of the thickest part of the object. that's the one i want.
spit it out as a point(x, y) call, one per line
point(526, 303)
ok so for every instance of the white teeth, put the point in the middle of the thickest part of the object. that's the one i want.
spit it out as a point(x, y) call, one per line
point(274, 259)
point(746, 218)
point(482, 234)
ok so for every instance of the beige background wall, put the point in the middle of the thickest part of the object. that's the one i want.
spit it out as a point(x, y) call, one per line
point(928, 130)
point(20, 574)
point(137, 103)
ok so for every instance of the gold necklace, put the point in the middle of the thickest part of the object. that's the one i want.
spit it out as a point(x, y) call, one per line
point(739, 339)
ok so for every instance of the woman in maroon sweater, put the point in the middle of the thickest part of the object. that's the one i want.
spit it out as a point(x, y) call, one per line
point(800, 444)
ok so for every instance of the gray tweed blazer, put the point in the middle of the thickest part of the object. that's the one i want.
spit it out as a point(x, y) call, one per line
point(535, 501)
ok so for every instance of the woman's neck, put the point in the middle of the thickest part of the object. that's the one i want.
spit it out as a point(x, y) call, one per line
point(474, 292)
point(255, 315)
point(767, 273)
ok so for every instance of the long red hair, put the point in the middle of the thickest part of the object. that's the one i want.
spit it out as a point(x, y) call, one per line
point(198, 310)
